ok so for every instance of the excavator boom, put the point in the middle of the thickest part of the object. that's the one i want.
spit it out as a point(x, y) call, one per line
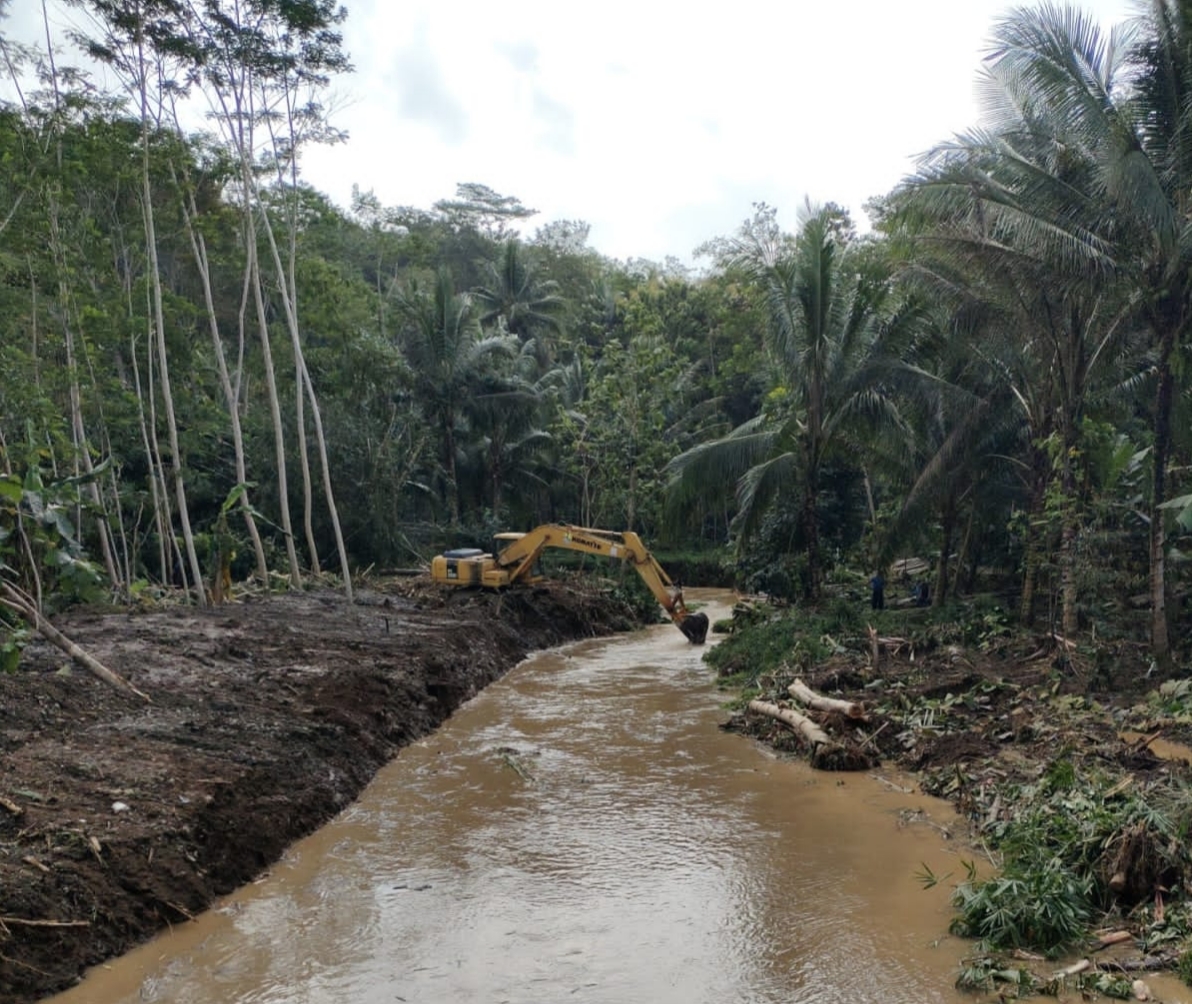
point(515, 562)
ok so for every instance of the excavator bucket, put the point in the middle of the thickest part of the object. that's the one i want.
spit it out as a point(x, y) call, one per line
point(695, 627)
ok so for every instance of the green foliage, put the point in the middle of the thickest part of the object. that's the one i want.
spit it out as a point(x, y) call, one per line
point(1046, 908)
point(992, 975)
point(771, 639)
point(632, 591)
point(39, 548)
point(13, 639)
point(1074, 845)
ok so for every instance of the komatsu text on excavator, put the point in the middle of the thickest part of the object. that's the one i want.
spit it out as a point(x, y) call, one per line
point(515, 562)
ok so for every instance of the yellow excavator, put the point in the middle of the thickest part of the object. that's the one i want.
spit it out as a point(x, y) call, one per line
point(514, 565)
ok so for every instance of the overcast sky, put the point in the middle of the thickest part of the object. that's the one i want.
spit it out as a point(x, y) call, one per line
point(657, 122)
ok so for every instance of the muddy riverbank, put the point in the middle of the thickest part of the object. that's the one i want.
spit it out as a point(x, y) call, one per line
point(1062, 760)
point(268, 717)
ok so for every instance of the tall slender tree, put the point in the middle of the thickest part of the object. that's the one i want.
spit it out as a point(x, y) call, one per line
point(131, 35)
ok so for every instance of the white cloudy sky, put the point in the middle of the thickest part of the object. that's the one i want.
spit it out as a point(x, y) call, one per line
point(659, 123)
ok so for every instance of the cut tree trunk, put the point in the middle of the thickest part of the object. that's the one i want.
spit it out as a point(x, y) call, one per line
point(826, 753)
point(804, 694)
point(800, 723)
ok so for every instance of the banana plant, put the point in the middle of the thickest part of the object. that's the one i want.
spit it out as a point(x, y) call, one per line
point(37, 537)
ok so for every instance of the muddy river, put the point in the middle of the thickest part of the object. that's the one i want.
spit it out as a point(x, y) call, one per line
point(583, 831)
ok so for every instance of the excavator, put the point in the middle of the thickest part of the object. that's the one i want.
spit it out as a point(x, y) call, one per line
point(515, 561)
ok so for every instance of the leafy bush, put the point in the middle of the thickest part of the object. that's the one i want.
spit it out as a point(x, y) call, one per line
point(1045, 908)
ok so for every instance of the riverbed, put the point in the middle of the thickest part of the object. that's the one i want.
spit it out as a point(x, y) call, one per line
point(582, 830)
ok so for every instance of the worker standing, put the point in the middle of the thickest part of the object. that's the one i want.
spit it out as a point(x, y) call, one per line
point(878, 599)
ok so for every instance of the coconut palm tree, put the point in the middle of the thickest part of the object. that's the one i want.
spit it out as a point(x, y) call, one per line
point(1040, 328)
point(830, 335)
point(504, 411)
point(444, 346)
point(514, 295)
point(1087, 163)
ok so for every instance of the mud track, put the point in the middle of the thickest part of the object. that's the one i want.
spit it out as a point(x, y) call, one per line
point(268, 717)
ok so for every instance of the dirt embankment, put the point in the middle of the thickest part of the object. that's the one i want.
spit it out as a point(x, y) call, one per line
point(1063, 768)
point(268, 717)
point(965, 720)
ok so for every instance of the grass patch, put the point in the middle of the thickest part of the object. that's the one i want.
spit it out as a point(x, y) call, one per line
point(760, 648)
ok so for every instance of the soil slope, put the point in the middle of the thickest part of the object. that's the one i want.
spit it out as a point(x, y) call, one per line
point(269, 715)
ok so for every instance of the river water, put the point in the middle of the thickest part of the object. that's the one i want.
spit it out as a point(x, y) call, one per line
point(583, 831)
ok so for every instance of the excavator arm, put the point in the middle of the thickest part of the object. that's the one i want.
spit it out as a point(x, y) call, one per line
point(516, 561)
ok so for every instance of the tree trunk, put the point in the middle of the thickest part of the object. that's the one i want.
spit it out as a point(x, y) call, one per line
point(167, 396)
point(198, 246)
point(15, 601)
point(804, 694)
point(812, 733)
point(453, 499)
point(325, 468)
point(631, 498)
point(1160, 643)
point(308, 527)
point(810, 520)
point(279, 438)
point(156, 487)
point(1032, 556)
point(496, 469)
point(1068, 532)
point(942, 568)
point(965, 543)
point(77, 428)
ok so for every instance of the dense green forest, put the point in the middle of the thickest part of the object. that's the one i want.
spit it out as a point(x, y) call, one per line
point(208, 367)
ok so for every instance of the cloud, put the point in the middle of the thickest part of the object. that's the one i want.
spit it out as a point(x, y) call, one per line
point(558, 123)
point(522, 55)
point(423, 94)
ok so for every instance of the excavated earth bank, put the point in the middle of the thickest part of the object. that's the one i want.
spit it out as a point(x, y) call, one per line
point(269, 715)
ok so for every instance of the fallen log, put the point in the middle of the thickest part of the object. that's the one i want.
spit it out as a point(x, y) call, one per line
point(1143, 964)
point(1072, 970)
point(22, 922)
point(804, 694)
point(1113, 938)
point(826, 754)
point(811, 732)
point(20, 604)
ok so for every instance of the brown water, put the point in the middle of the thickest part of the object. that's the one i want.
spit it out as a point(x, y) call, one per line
point(583, 831)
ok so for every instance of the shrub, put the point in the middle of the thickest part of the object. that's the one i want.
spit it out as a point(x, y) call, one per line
point(1045, 908)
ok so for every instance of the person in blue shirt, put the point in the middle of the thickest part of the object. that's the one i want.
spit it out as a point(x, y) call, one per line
point(878, 600)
